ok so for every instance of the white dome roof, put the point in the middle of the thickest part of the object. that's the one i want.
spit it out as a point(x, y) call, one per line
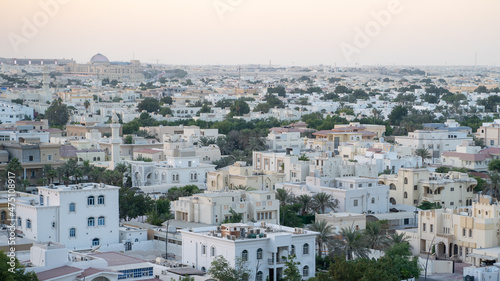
point(99, 58)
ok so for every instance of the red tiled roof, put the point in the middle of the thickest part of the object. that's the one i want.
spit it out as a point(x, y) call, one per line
point(92, 270)
point(491, 150)
point(57, 272)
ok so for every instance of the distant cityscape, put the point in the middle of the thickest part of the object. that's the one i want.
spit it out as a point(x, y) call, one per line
point(117, 170)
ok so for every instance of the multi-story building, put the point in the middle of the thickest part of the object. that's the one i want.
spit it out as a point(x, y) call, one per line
point(280, 141)
point(353, 194)
point(412, 186)
point(456, 232)
point(343, 220)
point(470, 157)
point(333, 167)
point(261, 246)
point(295, 169)
point(174, 171)
point(489, 133)
point(214, 207)
point(12, 112)
point(79, 216)
point(239, 175)
point(378, 130)
point(436, 142)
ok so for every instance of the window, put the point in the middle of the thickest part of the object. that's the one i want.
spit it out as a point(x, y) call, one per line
point(373, 200)
point(432, 228)
point(41, 200)
point(19, 222)
point(72, 207)
point(423, 226)
point(355, 202)
point(259, 276)
point(28, 224)
point(91, 221)
point(72, 232)
point(91, 200)
point(415, 187)
point(95, 242)
point(30, 158)
point(259, 254)
point(406, 221)
point(292, 251)
point(101, 221)
point(305, 271)
point(392, 186)
point(463, 232)
point(406, 180)
point(203, 249)
point(305, 249)
point(244, 255)
point(100, 200)
point(212, 251)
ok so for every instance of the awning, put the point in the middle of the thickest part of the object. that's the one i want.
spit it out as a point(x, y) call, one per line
point(186, 271)
point(483, 257)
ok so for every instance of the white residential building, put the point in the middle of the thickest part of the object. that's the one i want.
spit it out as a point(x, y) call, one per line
point(12, 112)
point(354, 194)
point(214, 207)
point(280, 141)
point(81, 216)
point(261, 246)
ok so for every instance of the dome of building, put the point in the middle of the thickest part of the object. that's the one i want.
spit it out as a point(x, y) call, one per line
point(99, 58)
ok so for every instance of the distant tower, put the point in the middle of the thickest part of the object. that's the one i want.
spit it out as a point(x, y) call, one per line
point(46, 84)
point(115, 140)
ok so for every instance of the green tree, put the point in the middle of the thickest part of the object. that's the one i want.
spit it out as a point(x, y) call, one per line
point(306, 201)
point(149, 104)
point(494, 165)
point(291, 271)
point(221, 270)
point(234, 218)
point(374, 235)
point(325, 232)
point(159, 213)
point(18, 273)
point(423, 153)
point(442, 170)
point(132, 205)
point(14, 166)
point(165, 111)
point(128, 139)
point(350, 242)
point(494, 186)
point(277, 90)
point(86, 104)
point(323, 201)
point(397, 115)
point(57, 113)
point(238, 108)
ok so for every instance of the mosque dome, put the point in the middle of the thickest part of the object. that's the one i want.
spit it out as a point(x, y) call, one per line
point(99, 58)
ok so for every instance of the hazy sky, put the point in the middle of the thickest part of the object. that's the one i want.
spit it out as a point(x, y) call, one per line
point(303, 32)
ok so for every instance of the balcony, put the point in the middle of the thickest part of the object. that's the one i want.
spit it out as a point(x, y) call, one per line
point(278, 261)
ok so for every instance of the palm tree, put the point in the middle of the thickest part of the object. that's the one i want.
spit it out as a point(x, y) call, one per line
point(395, 238)
point(321, 201)
point(494, 184)
point(14, 166)
point(284, 196)
point(374, 235)
point(305, 200)
point(325, 232)
point(351, 241)
point(423, 153)
point(86, 104)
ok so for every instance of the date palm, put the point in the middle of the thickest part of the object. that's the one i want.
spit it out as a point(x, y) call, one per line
point(374, 235)
point(322, 201)
point(350, 242)
point(494, 185)
point(395, 238)
point(306, 201)
point(422, 153)
point(325, 232)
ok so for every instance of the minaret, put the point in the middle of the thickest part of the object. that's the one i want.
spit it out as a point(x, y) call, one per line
point(47, 96)
point(115, 141)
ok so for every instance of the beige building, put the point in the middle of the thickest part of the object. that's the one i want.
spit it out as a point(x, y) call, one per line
point(412, 186)
point(240, 175)
point(378, 130)
point(343, 220)
point(215, 207)
point(454, 233)
point(489, 133)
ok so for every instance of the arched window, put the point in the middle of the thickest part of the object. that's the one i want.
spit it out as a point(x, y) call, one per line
point(392, 186)
point(91, 221)
point(406, 194)
point(41, 199)
point(203, 249)
point(305, 249)
point(259, 276)
point(292, 251)
point(100, 200)
point(203, 269)
point(3, 216)
point(212, 251)
point(91, 200)
point(72, 207)
point(72, 232)
point(406, 180)
point(101, 221)
point(98, 158)
point(259, 254)
point(19, 222)
point(28, 224)
point(305, 271)
point(244, 255)
point(373, 200)
point(96, 242)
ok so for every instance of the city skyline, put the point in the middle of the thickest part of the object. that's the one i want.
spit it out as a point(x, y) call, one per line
point(255, 32)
